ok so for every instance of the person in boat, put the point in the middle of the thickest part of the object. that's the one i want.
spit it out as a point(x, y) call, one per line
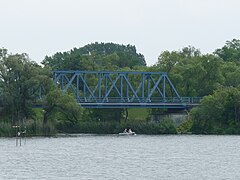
point(129, 131)
point(125, 131)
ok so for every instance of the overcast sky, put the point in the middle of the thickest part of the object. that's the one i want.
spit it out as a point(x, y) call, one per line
point(44, 27)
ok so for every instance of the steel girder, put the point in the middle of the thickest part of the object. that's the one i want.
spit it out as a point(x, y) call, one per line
point(111, 89)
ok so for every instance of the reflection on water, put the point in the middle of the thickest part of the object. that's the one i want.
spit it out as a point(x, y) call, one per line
point(112, 157)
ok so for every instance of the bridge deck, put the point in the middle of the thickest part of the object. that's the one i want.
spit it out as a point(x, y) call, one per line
point(139, 105)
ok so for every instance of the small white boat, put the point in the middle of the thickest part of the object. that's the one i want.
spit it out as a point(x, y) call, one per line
point(127, 134)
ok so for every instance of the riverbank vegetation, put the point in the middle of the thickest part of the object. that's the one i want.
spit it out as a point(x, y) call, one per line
point(215, 76)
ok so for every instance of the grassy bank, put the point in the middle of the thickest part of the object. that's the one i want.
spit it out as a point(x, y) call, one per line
point(33, 128)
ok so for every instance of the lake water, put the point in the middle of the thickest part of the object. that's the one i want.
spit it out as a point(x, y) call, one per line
point(116, 158)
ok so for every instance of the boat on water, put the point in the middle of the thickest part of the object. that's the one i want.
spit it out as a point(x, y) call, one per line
point(127, 134)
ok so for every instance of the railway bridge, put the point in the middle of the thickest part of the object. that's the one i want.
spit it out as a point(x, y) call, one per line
point(122, 89)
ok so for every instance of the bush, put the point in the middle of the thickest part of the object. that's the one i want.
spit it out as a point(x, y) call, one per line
point(6, 130)
point(185, 127)
point(165, 127)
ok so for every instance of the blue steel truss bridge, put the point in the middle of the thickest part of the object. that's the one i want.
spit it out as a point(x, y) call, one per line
point(117, 89)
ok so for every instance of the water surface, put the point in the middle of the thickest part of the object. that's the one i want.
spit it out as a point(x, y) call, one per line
point(116, 158)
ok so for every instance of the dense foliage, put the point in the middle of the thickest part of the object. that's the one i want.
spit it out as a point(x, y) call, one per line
point(20, 82)
point(213, 76)
point(193, 74)
point(218, 113)
point(103, 56)
point(19, 79)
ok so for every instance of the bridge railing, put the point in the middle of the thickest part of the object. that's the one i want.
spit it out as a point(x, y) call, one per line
point(191, 100)
point(183, 100)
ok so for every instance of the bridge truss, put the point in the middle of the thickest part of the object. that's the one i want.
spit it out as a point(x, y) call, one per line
point(112, 89)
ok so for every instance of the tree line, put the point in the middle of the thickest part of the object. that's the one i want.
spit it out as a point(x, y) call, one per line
point(213, 76)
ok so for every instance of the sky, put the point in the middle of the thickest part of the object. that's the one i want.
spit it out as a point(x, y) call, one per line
point(44, 27)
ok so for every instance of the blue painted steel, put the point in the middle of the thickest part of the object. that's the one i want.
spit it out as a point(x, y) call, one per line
point(130, 89)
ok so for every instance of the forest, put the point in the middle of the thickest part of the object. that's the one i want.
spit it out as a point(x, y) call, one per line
point(215, 77)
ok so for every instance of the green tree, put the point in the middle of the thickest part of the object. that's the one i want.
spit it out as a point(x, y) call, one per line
point(218, 111)
point(231, 74)
point(167, 60)
point(192, 74)
point(96, 56)
point(20, 78)
point(230, 51)
point(62, 108)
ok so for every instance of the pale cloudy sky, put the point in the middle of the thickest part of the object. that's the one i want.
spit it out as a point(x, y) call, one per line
point(44, 27)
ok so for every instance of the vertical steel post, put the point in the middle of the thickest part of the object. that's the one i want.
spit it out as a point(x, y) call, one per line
point(164, 88)
point(84, 88)
point(126, 76)
point(77, 88)
point(99, 86)
point(106, 84)
point(121, 87)
point(54, 77)
point(148, 87)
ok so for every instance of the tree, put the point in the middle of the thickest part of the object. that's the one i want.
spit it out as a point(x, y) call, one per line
point(62, 107)
point(168, 60)
point(192, 74)
point(218, 111)
point(20, 79)
point(96, 56)
point(230, 51)
point(206, 75)
point(231, 74)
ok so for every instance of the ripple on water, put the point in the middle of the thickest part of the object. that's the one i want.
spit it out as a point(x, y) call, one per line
point(113, 157)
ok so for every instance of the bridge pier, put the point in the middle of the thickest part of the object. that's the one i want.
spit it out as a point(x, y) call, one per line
point(177, 117)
